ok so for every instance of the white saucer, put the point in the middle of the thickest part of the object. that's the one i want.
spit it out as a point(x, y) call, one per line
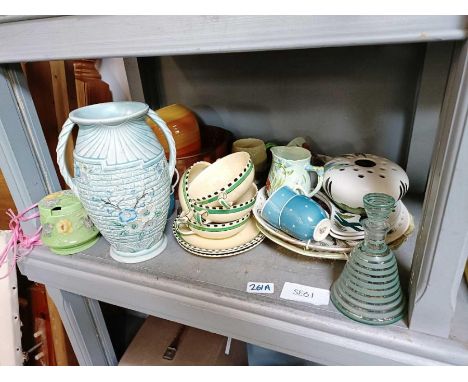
point(338, 230)
point(336, 242)
point(321, 254)
point(399, 222)
point(400, 225)
point(244, 241)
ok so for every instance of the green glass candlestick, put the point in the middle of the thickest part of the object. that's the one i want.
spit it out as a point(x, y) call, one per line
point(368, 290)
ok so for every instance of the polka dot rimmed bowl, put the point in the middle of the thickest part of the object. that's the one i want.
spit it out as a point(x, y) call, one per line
point(186, 226)
point(189, 175)
point(221, 214)
point(223, 182)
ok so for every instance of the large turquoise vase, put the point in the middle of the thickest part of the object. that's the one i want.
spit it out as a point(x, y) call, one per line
point(122, 177)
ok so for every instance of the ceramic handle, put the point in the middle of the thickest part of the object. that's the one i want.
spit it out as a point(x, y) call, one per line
point(61, 146)
point(224, 201)
point(183, 222)
point(319, 171)
point(173, 186)
point(202, 217)
point(170, 140)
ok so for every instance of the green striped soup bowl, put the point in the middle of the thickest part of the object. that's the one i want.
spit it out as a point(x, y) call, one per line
point(206, 215)
point(189, 175)
point(185, 226)
point(223, 182)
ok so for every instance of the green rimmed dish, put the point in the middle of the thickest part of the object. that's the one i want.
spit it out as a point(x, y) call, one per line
point(211, 231)
point(207, 215)
point(189, 175)
point(223, 182)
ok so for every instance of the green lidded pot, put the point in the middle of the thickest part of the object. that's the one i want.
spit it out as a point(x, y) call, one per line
point(66, 227)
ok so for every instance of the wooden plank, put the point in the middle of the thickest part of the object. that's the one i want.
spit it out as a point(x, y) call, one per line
point(64, 355)
point(62, 106)
point(41, 326)
point(6, 202)
point(70, 37)
point(24, 157)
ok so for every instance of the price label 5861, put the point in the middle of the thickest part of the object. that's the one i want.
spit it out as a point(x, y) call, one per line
point(304, 293)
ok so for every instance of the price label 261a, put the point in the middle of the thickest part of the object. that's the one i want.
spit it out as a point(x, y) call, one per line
point(257, 287)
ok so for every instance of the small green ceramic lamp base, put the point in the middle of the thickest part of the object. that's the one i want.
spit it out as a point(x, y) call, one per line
point(138, 257)
point(78, 248)
point(66, 227)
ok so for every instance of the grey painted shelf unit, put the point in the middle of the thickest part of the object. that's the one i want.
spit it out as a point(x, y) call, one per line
point(209, 294)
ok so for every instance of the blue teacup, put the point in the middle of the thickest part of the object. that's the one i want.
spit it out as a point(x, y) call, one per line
point(274, 205)
point(297, 215)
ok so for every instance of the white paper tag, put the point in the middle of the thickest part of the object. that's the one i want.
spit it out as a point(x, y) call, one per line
point(256, 287)
point(304, 293)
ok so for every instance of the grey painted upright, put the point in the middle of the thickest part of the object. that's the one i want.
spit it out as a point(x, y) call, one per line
point(134, 79)
point(431, 93)
point(85, 326)
point(30, 175)
point(442, 245)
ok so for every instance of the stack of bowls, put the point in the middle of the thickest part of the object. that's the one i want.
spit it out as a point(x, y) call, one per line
point(217, 199)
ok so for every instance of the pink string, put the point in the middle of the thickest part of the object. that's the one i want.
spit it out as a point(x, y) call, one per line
point(21, 244)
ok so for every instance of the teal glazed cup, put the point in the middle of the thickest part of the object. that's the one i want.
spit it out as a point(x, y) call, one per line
point(297, 215)
point(271, 211)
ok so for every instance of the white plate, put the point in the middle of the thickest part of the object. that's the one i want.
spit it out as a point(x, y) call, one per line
point(338, 230)
point(305, 252)
point(327, 245)
point(399, 222)
point(400, 226)
point(336, 241)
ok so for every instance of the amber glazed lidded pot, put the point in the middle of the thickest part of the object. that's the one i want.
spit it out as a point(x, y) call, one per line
point(184, 128)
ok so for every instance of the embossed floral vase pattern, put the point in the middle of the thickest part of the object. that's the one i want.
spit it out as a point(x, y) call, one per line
point(121, 176)
point(129, 203)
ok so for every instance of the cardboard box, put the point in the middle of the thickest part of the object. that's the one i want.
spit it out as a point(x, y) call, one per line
point(195, 347)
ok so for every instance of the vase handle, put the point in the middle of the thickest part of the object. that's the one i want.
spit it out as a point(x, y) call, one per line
point(170, 140)
point(61, 160)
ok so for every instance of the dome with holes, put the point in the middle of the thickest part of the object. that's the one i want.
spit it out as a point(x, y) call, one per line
point(349, 177)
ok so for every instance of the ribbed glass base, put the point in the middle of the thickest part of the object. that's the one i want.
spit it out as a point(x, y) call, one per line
point(368, 290)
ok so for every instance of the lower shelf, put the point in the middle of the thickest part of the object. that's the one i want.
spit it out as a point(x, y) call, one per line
point(150, 347)
point(210, 294)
